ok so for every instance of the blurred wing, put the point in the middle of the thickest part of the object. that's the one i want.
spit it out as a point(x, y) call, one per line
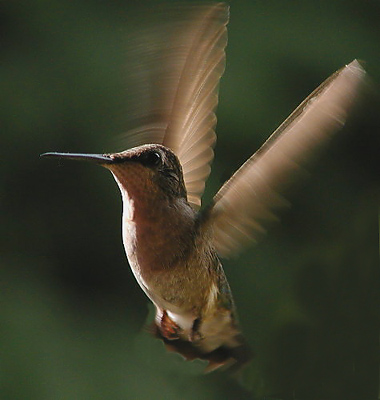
point(180, 65)
point(192, 122)
point(247, 203)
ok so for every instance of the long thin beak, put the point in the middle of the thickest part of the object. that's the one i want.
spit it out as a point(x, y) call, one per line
point(97, 158)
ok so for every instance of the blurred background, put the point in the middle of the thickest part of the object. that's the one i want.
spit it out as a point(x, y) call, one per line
point(72, 315)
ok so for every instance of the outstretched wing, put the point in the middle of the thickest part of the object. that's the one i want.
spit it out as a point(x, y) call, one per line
point(249, 200)
point(181, 66)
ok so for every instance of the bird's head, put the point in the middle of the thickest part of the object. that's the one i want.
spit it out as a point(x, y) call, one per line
point(144, 172)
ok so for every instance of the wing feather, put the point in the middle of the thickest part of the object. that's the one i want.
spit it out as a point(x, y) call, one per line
point(178, 68)
point(190, 133)
point(249, 201)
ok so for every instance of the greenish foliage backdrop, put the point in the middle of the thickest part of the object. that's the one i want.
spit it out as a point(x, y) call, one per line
point(72, 316)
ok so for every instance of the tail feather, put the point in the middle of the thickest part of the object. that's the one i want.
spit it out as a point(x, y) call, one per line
point(233, 358)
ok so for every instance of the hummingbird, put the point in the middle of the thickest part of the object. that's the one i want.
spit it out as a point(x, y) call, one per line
point(173, 245)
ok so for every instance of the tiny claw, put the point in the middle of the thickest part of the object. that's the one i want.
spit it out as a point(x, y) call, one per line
point(195, 334)
point(169, 329)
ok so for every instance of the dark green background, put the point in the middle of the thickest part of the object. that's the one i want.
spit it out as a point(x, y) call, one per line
point(72, 316)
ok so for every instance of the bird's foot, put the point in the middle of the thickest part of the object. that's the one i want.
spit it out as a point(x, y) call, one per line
point(168, 328)
point(195, 334)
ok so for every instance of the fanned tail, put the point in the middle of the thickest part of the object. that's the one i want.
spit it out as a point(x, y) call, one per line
point(233, 358)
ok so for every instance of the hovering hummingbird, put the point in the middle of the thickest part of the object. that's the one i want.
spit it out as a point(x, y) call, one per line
point(172, 245)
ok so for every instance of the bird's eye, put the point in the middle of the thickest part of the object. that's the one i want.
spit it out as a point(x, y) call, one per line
point(152, 158)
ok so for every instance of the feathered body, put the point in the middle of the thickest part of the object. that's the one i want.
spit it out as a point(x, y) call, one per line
point(187, 284)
